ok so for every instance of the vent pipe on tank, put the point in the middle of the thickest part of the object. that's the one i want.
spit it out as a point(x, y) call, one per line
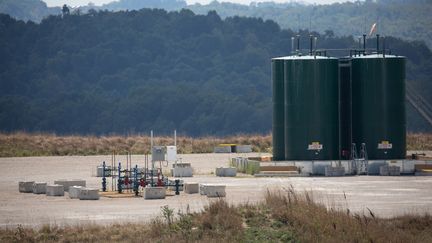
point(311, 45)
point(292, 44)
point(298, 43)
point(377, 39)
point(364, 44)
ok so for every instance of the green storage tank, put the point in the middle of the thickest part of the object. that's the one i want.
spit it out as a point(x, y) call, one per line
point(378, 105)
point(278, 131)
point(311, 108)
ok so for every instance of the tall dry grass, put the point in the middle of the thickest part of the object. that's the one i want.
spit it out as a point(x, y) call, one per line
point(284, 216)
point(25, 144)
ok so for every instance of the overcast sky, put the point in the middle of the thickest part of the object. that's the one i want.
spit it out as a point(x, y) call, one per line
point(100, 2)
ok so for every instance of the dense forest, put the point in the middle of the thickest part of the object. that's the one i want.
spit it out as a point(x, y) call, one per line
point(407, 19)
point(129, 72)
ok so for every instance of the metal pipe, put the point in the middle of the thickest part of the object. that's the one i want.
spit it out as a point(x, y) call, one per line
point(377, 44)
point(298, 43)
point(311, 44)
point(175, 138)
point(292, 44)
point(364, 43)
point(384, 46)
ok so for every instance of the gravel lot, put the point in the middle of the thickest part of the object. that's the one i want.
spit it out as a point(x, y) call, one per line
point(385, 196)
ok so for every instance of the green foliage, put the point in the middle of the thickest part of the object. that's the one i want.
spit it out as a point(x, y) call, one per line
point(130, 72)
point(409, 20)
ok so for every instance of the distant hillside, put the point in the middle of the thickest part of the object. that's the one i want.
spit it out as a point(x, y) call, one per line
point(129, 72)
point(34, 10)
point(407, 19)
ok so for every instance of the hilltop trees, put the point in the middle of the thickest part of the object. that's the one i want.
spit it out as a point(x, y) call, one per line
point(129, 72)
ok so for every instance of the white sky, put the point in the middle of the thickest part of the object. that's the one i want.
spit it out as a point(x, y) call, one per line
point(74, 3)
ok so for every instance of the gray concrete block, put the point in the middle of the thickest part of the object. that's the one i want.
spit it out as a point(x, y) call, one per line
point(387, 170)
point(334, 171)
point(202, 189)
point(88, 193)
point(25, 186)
point(182, 172)
point(74, 191)
point(226, 172)
point(244, 148)
point(215, 191)
point(154, 192)
point(55, 190)
point(68, 183)
point(191, 187)
point(99, 171)
point(212, 190)
point(222, 149)
point(39, 187)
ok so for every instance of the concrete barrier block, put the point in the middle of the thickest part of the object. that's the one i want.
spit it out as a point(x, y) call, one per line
point(88, 193)
point(212, 190)
point(202, 189)
point(215, 191)
point(334, 171)
point(55, 190)
point(154, 192)
point(74, 191)
point(226, 172)
point(222, 149)
point(182, 172)
point(99, 171)
point(68, 183)
point(243, 148)
point(25, 186)
point(191, 187)
point(387, 170)
point(39, 187)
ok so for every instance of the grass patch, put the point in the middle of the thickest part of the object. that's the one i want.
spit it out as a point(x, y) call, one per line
point(284, 216)
point(25, 144)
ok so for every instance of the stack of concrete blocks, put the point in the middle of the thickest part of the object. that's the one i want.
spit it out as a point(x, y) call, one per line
point(55, 190)
point(154, 193)
point(222, 149)
point(191, 187)
point(68, 183)
point(74, 191)
point(100, 169)
point(334, 171)
point(182, 170)
point(387, 170)
point(212, 190)
point(25, 186)
point(39, 187)
point(226, 172)
point(243, 148)
point(88, 194)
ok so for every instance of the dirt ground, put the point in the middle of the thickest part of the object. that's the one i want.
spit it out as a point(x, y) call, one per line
point(385, 196)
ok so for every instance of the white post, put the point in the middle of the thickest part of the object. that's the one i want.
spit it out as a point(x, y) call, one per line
point(175, 137)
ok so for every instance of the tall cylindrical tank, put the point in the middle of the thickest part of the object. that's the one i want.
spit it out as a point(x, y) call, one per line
point(278, 129)
point(378, 105)
point(311, 108)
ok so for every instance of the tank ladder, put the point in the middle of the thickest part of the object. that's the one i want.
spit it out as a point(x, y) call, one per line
point(359, 163)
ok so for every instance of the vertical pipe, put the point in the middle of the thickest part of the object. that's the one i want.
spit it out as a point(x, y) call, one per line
point(377, 43)
point(311, 44)
point(298, 43)
point(292, 44)
point(364, 43)
point(384, 46)
point(175, 137)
